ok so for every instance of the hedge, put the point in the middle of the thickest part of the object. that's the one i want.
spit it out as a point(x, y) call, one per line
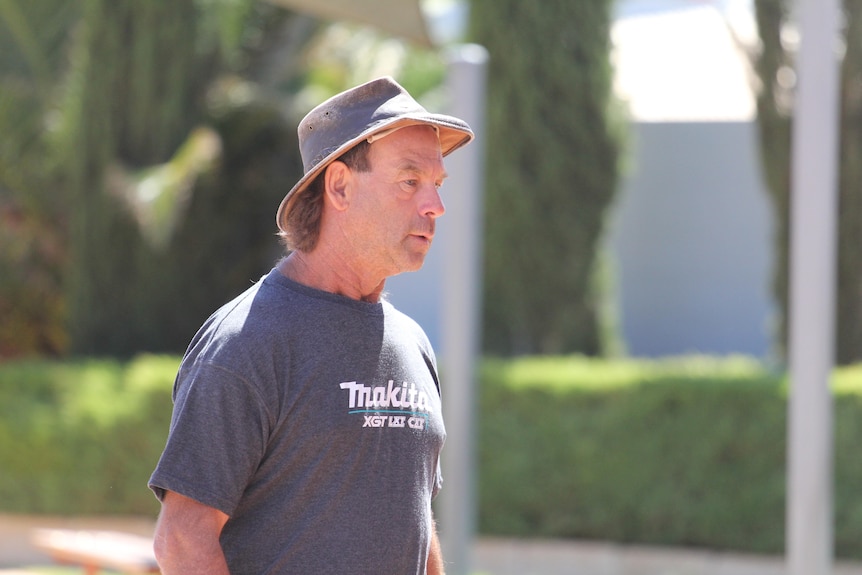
point(682, 452)
point(82, 437)
point(685, 455)
point(686, 452)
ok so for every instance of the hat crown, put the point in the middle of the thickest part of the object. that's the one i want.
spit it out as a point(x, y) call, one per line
point(348, 115)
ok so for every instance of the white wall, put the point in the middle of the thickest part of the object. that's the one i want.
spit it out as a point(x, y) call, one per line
point(691, 240)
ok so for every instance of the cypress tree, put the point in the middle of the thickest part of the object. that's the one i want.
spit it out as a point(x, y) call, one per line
point(552, 152)
point(145, 78)
point(849, 319)
point(131, 58)
point(774, 66)
point(774, 105)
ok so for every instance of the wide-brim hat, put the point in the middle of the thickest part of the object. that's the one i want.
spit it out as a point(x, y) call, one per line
point(344, 120)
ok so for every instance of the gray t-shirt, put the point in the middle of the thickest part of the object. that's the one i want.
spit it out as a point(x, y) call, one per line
point(314, 422)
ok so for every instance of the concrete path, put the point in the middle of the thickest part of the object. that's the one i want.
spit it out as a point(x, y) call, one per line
point(491, 556)
point(16, 531)
point(524, 557)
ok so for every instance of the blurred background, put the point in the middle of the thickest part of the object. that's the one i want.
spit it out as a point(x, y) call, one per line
point(634, 313)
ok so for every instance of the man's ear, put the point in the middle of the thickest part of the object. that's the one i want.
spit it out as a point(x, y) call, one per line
point(337, 180)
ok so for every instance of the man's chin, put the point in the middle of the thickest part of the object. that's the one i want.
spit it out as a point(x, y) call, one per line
point(414, 262)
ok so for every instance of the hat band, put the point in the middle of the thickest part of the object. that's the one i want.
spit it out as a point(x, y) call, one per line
point(383, 133)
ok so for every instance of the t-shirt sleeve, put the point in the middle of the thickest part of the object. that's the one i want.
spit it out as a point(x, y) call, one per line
point(218, 437)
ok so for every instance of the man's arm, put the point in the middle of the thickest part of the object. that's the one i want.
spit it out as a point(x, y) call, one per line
point(435, 555)
point(186, 540)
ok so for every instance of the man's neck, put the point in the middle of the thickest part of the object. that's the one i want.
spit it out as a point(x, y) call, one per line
point(320, 271)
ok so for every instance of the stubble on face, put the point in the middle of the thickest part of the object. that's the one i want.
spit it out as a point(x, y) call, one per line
point(398, 202)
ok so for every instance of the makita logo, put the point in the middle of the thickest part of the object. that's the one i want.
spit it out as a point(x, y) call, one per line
point(391, 406)
point(404, 396)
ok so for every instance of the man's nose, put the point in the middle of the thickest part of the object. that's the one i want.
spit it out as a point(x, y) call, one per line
point(432, 205)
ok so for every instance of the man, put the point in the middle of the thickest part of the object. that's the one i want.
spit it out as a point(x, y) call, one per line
point(306, 430)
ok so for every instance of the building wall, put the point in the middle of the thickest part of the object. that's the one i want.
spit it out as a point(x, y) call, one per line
point(691, 241)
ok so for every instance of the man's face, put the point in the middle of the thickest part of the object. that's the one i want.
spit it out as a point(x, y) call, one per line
point(396, 203)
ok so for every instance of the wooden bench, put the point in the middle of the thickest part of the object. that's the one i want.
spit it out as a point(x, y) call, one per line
point(96, 550)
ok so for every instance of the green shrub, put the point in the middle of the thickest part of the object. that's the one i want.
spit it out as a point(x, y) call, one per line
point(674, 452)
point(686, 452)
point(82, 437)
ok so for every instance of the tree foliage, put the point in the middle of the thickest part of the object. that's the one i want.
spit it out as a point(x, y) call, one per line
point(33, 36)
point(774, 64)
point(144, 148)
point(552, 151)
point(163, 73)
point(145, 154)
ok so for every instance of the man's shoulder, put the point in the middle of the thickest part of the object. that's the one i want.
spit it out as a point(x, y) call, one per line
point(401, 319)
point(247, 320)
point(266, 301)
point(403, 327)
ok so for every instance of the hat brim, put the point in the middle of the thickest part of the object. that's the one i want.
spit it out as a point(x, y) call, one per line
point(452, 132)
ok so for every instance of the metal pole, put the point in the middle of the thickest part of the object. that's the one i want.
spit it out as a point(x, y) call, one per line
point(812, 292)
point(461, 237)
